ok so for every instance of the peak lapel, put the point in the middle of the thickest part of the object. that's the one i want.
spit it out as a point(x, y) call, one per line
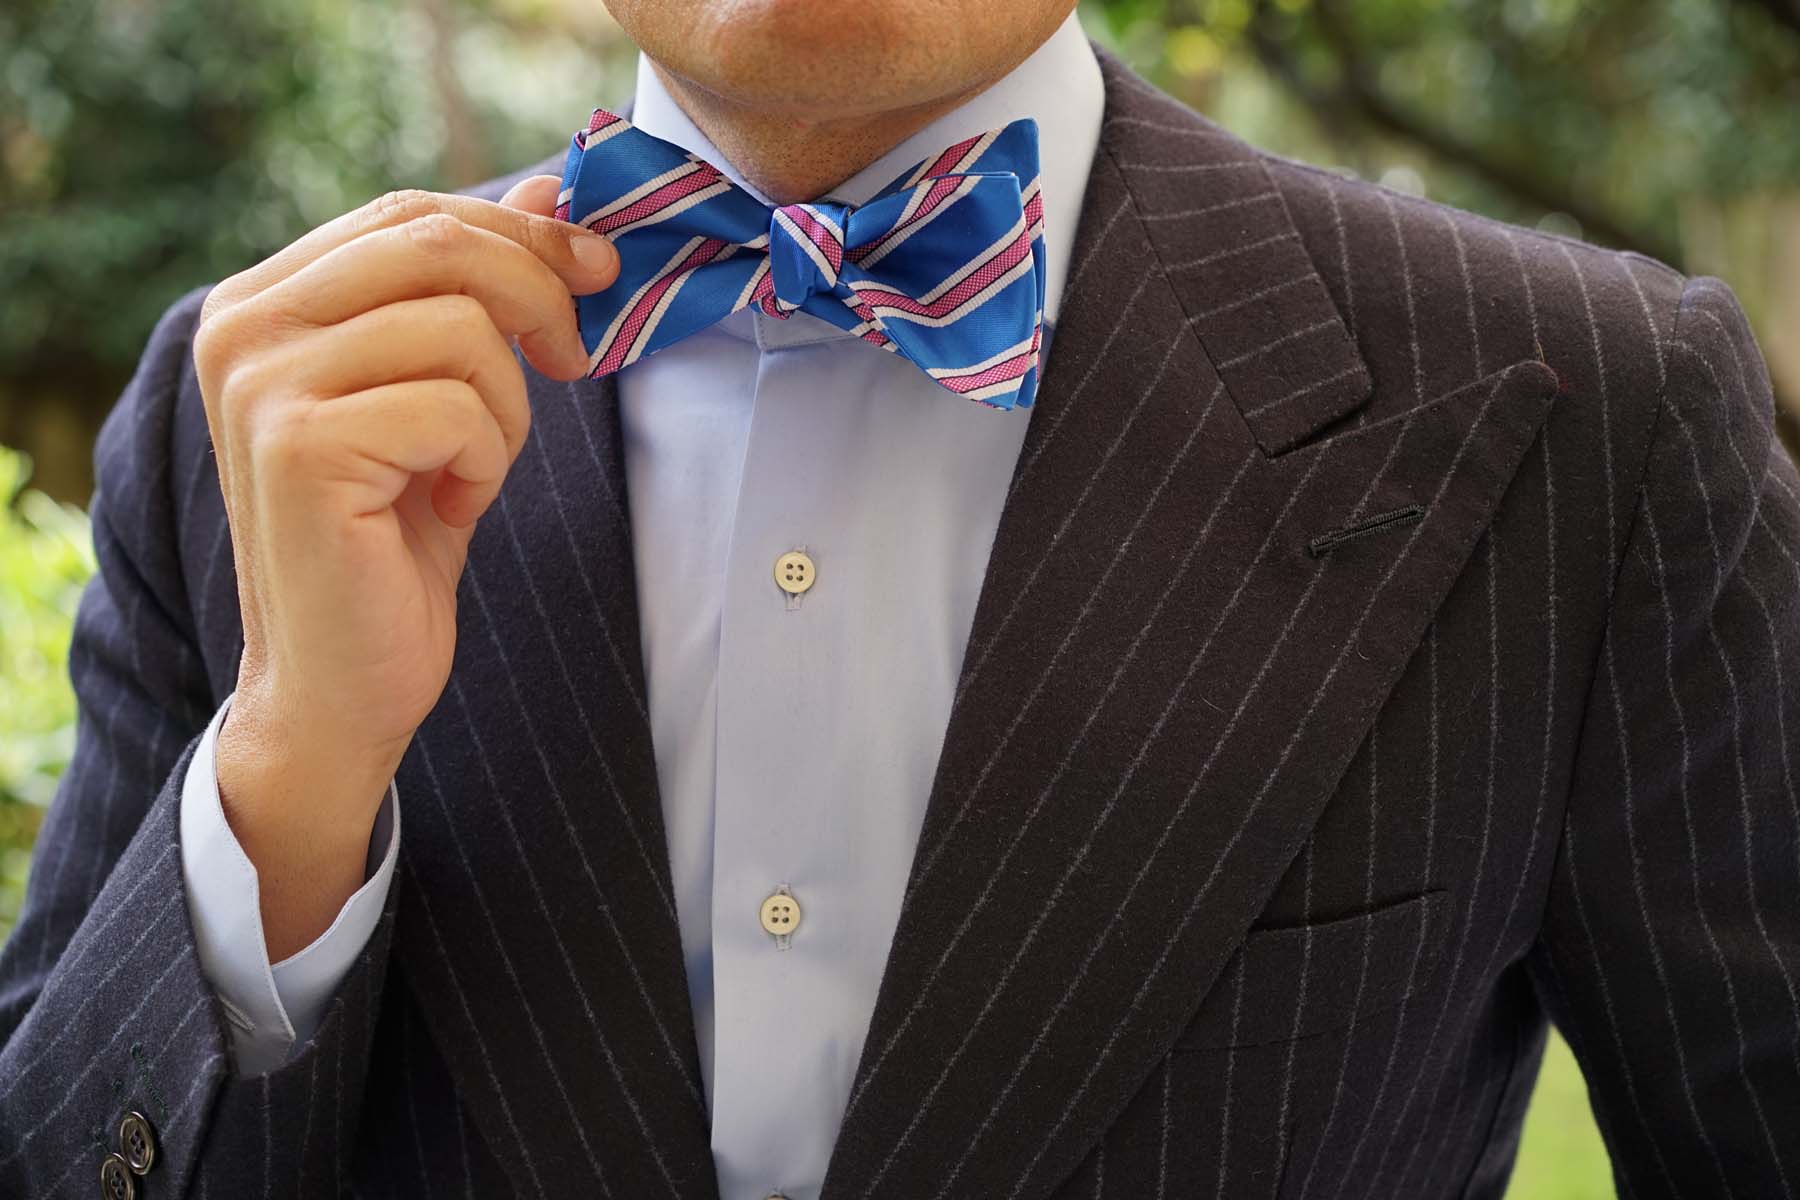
point(1163, 683)
point(537, 928)
point(1230, 253)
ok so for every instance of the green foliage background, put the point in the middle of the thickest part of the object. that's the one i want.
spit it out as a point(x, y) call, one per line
point(46, 555)
point(147, 147)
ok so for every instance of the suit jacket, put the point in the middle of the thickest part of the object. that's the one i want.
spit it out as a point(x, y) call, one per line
point(1391, 642)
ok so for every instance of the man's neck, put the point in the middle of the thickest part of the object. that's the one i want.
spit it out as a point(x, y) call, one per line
point(792, 160)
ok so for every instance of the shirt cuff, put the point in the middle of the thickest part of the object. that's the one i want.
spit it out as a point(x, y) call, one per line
point(270, 1008)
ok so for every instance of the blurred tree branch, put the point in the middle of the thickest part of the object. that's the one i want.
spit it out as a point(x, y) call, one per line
point(1349, 101)
point(1356, 92)
point(1786, 12)
point(465, 160)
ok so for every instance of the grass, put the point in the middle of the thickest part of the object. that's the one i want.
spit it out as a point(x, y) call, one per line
point(1561, 1156)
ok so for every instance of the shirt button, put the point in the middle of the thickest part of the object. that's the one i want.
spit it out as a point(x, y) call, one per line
point(137, 1143)
point(116, 1181)
point(780, 913)
point(794, 572)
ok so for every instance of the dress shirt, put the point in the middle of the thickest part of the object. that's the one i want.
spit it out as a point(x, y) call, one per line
point(795, 736)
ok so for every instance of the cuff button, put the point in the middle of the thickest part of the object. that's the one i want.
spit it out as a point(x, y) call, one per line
point(116, 1181)
point(136, 1143)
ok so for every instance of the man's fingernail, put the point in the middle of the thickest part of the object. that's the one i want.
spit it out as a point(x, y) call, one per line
point(594, 252)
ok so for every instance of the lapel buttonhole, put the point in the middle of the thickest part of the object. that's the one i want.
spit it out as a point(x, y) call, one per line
point(1393, 518)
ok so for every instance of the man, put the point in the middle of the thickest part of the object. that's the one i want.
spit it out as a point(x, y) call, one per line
point(1379, 634)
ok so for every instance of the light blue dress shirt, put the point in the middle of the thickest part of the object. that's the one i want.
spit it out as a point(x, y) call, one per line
point(795, 737)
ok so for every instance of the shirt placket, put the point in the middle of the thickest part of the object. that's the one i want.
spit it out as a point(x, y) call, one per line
point(774, 916)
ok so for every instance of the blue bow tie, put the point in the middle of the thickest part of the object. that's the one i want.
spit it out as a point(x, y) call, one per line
point(944, 266)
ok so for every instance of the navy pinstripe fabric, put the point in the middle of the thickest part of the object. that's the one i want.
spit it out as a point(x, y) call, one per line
point(1251, 868)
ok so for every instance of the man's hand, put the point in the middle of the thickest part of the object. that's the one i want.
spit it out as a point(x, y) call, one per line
point(365, 406)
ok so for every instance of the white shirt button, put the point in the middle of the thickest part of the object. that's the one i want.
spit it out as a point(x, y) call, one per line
point(794, 572)
point(780, 913)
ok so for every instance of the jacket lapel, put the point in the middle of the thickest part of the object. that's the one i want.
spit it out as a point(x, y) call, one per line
point(537, 927)
point(1164, 680)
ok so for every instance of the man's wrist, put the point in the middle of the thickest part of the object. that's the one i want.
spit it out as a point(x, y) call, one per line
point(303, 818)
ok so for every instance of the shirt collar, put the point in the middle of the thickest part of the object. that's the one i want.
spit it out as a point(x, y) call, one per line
point(1059, 85)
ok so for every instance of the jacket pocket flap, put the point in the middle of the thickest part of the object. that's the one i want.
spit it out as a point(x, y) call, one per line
point(1295, 981)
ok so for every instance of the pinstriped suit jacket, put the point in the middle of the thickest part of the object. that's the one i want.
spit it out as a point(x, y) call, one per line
point(1391, 641)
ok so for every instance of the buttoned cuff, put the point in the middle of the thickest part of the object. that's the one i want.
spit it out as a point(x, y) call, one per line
point(269, 1008)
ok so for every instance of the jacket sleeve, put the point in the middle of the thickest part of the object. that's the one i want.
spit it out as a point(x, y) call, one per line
point(104, 1008)
point(1670, 950)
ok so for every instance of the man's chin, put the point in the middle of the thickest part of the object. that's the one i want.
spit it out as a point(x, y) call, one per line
point(811, 59)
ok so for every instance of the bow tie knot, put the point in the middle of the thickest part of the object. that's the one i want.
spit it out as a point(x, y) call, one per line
point(806, 254)
point(943, 267)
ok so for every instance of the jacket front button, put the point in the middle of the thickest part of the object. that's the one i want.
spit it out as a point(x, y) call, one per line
point(116, 1182)
point(136, 1142)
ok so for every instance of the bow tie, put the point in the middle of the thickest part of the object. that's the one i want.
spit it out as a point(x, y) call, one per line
point(944, 266)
